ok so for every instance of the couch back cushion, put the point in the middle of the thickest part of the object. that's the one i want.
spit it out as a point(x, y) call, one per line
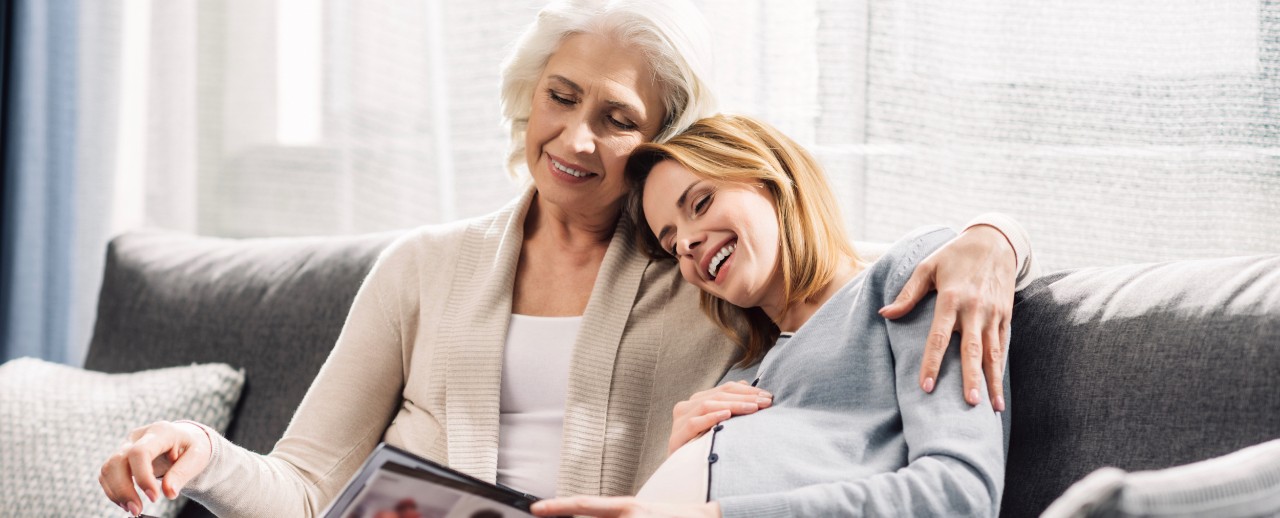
point(273, 307)
point(1140, 367)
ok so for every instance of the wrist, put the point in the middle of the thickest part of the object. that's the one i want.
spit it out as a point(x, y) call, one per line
point(988, 228)
point(199, 435)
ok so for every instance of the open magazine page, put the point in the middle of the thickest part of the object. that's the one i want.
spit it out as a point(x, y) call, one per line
point(396, 484)
point(394, 494)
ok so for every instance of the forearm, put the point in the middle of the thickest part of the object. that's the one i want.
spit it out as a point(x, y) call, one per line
point(930, 486)
point(340, 420)
point(239, 482)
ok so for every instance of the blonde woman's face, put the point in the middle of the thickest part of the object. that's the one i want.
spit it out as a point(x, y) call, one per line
point(724, 234)
point(594, 103)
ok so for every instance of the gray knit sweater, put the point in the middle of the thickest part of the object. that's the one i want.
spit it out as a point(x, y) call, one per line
point(850, 432)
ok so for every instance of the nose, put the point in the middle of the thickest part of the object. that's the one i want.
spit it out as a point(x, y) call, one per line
point(688, 243)
point(579, 136)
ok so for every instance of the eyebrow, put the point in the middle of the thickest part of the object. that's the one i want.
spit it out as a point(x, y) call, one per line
point(579, 90)
point(572, 85)
point(684, 196)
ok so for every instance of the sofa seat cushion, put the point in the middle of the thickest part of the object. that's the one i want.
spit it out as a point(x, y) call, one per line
point(58, 424)
point(1140, 367)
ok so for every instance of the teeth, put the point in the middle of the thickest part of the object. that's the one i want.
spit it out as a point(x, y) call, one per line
point(714, 267)
point(568, 170)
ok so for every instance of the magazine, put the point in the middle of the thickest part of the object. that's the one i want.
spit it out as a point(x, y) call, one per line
point(394, 483)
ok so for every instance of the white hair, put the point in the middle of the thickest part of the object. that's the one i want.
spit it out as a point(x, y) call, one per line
point(672, 35)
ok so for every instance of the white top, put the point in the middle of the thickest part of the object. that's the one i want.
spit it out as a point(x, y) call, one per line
point(535, 379)
point(684, 477)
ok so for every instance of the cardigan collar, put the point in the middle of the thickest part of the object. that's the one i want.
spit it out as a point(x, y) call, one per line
point(474, 328)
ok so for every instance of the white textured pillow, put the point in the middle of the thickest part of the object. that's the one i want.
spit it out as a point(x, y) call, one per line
point(58, 424)
point(1243, 483)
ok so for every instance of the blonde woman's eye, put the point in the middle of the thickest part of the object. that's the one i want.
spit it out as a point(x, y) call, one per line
point(701, 205)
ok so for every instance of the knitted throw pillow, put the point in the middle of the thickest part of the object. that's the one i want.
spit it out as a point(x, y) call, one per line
point(58, 424)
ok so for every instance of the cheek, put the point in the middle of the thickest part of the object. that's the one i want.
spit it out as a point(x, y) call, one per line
point(537, 119)
point(615, 152)
point(766, 229)
point(686, 271)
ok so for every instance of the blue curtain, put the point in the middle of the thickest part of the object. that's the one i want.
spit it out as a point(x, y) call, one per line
point(36, 243)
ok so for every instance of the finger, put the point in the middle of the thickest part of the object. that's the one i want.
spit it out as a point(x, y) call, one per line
point(682, 433)
point(141, 456)
point(732, 398)
point(732, 388)
point(117, 480)
point(971, 360)
point(181, 472)
point(935, 347)
point(703, 423)
point(737, 407)
point(106, 476)
point(993, 365)
point(582, 505)
point(742, 387)
point(919, 285)
point(1004, 332)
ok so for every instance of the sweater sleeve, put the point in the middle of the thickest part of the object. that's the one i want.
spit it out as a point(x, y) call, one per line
point(1019, 239)
point(341, 419)
point(955, 453)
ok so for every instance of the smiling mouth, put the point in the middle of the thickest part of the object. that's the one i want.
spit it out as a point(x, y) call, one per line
point(713, 269)
point(576, 173)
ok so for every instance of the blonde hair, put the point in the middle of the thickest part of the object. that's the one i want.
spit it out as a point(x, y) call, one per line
point(813, 243)
point(672, 34)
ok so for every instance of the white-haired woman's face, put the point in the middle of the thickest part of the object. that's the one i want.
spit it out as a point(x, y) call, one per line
point(594, 103)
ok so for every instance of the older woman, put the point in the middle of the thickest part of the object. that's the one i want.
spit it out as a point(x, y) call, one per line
point(535, 346)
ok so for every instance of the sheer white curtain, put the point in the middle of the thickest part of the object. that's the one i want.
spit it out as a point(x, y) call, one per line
point(291, 117)
point(1117, 132)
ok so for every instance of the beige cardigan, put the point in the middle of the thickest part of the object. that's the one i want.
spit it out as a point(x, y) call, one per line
point(432, 314)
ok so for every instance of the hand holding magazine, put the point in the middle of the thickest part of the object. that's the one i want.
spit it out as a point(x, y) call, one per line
point(394, 483)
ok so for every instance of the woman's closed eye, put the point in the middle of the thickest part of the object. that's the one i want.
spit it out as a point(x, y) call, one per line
point(560, 98)
point(701, 204)
point(622, 124)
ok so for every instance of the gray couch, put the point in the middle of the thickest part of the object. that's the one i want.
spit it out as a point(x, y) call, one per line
point(1140, 366)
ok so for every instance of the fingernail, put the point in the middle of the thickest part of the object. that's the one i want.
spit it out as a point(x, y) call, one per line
point(766, 393)
point(134, 509)
point(151, 494)
point(928, 385)
point(999, 403)
point(973, 396)
point(763, 401)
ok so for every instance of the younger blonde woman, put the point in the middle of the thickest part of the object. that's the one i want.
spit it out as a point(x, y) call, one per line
point(750, 219)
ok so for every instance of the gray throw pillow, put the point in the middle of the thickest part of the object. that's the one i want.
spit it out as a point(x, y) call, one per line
point(58, 424)
point(1241, 484)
